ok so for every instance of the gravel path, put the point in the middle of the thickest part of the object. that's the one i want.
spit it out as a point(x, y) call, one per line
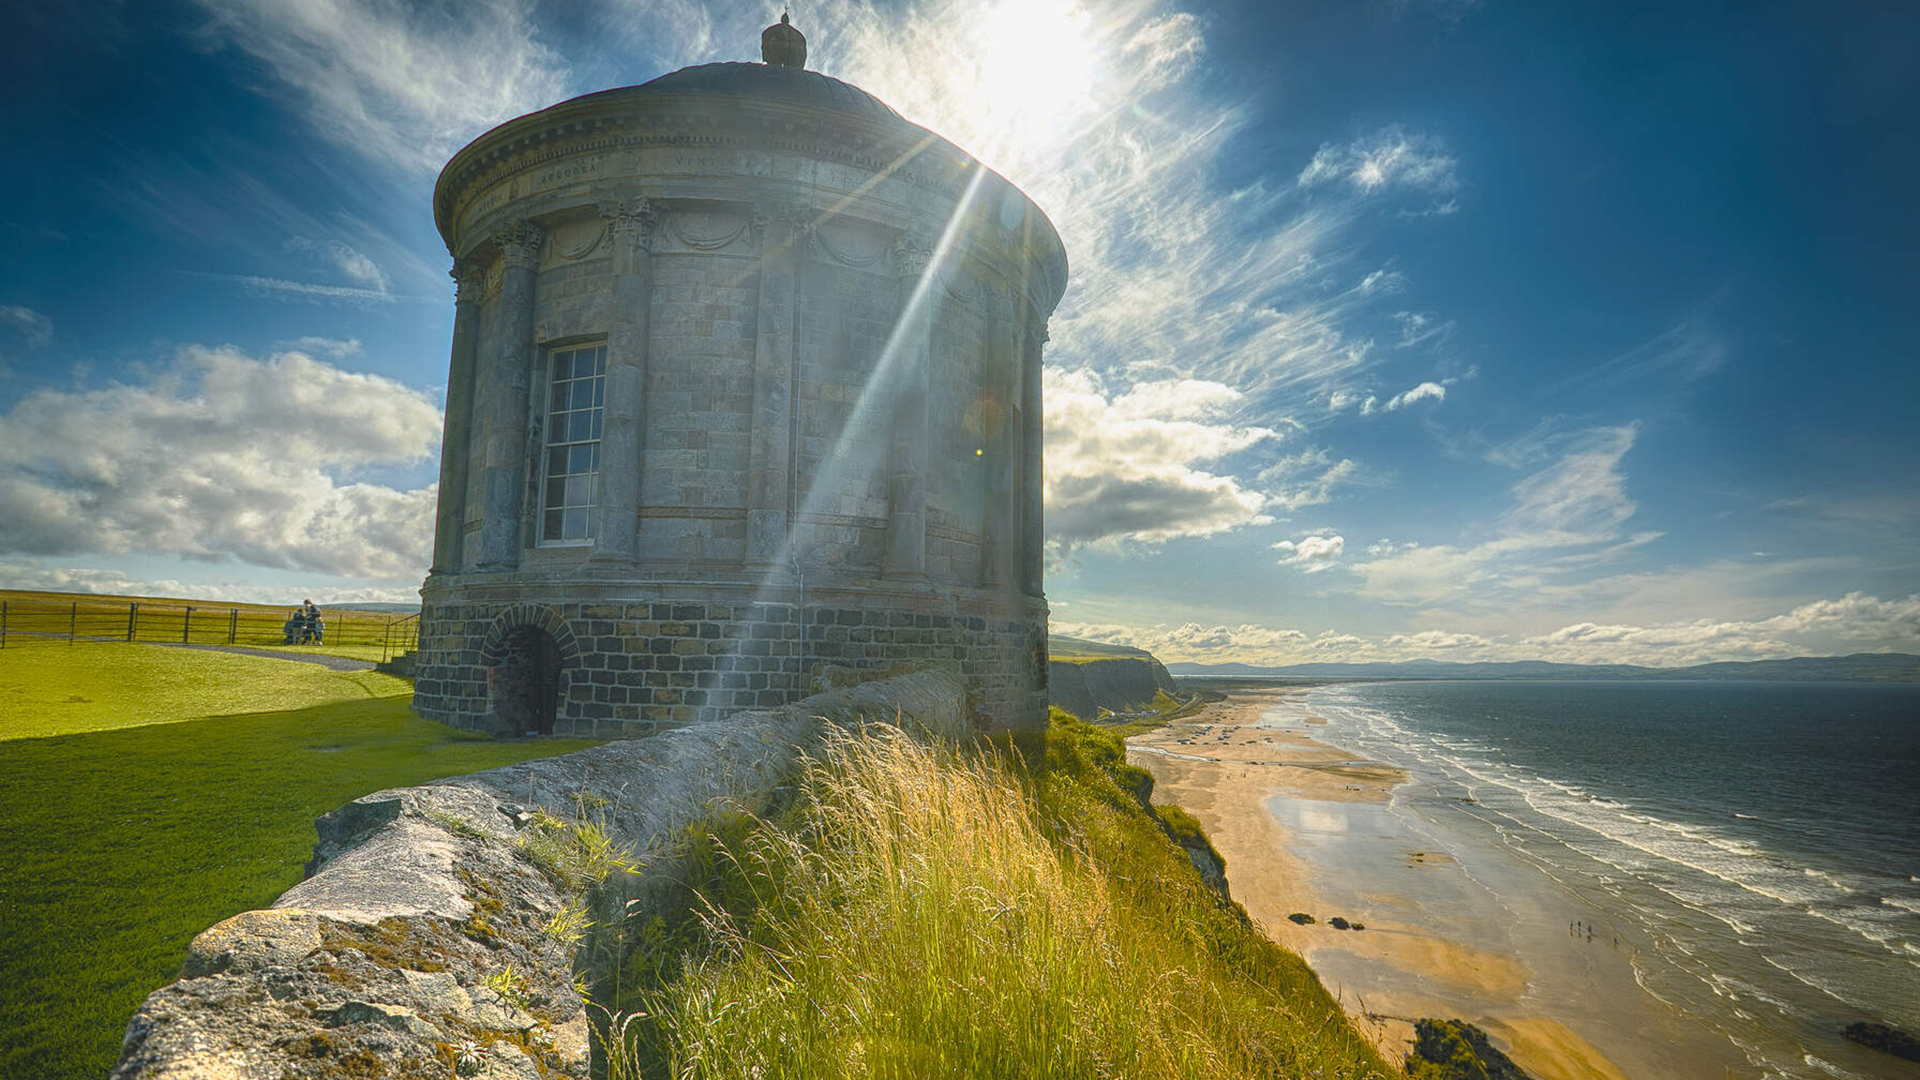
point(335, 663)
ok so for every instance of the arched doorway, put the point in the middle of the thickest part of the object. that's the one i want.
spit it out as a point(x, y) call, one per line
point(526, 682)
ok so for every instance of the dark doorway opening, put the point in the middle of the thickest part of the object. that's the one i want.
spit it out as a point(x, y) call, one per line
point(526, 689)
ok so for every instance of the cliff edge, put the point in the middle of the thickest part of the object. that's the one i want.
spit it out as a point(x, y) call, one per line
point(1088, 678)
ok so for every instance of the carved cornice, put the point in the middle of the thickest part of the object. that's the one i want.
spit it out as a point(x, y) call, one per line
point(631, 222)
point(519, 245)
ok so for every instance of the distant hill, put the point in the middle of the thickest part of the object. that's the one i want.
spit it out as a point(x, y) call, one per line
point(1860, 667)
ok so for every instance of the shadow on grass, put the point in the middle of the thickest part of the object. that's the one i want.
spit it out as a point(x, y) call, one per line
point(117, 847)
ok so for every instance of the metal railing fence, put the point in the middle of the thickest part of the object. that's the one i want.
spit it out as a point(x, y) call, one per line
point(35, 620)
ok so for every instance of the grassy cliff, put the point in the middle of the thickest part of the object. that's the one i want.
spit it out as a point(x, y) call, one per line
point(988, 912)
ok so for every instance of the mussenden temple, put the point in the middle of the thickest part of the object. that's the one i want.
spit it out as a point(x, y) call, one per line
point(744, 402)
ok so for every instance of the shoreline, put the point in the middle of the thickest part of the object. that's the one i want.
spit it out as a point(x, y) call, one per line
point(1292, 814)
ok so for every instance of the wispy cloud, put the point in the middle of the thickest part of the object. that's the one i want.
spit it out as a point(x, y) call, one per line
point(36, 328)
point(1565, 517)
point(406, 84)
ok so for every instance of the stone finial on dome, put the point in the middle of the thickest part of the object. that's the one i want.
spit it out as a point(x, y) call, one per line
point(781, 45)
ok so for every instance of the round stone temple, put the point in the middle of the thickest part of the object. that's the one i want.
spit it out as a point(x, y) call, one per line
point(783, 46)
point(743, 403)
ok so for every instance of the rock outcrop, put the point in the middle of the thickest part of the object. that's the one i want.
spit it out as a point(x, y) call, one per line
point(1886, 1039)
point(442, 928)
point(1120, 684)
point(1457, 1050)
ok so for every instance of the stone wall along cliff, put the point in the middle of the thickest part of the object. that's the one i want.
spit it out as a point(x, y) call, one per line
point(434, 934)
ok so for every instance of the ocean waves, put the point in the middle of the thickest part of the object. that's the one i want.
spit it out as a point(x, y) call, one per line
point(1767, 914)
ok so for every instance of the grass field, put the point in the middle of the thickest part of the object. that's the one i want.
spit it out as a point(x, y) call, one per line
point(119, 843)
point(97, 687)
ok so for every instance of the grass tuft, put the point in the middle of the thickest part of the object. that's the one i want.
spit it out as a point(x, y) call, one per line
point(928, 911)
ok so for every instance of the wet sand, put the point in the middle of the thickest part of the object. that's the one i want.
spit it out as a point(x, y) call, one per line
point(1297, 820)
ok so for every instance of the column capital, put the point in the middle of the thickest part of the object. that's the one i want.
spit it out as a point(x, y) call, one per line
point(469, 281)
point(520, 244)
point(911, 256)
point(631, 222)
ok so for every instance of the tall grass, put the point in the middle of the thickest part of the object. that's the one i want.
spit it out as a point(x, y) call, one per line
point(927, 911)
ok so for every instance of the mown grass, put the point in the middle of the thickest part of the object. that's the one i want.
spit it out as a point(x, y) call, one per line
point(63, 690)
point(931, 911)
point(118, 846)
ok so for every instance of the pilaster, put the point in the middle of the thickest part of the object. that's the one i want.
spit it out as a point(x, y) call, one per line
point(450, 517)
point(505, 398)
point(630, 228)
point(781, 233)
point(906, 551)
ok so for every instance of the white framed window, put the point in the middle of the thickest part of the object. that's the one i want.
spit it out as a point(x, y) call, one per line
point(576, 394)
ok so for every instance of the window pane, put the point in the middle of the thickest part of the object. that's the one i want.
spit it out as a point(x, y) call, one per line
point(600, 360)
point(580, 427)
point(576, 524)
point(562, 366)
point(552, 530)
point(559, 396)
point(581, 459)
point(599, 392)
point(596, 424)
point(593, 461)
point(579, 490)
point(557, 491)
point(557, 461)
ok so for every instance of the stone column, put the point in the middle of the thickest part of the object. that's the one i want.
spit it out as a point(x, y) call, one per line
point(780, 232)
point(1033, 466)
point(450, 518)
point(1002, 505)
point(630, 225)
point(504, 395)
point(906, 553)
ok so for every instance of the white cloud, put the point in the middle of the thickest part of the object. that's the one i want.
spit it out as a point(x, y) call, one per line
point(35, 327)
point(403, 83)
point(1390, 157)
point(1313, 553)
point(1852, 623)
point(99, 581)
point(1425, 391)
point(1126, 467)
point(220, 456)
point(1419, 327)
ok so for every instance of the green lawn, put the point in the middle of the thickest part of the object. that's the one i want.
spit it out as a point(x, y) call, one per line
point(119, 843)
point(66, 689)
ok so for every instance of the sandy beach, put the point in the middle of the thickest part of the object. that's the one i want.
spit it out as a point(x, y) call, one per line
point(1298, 822)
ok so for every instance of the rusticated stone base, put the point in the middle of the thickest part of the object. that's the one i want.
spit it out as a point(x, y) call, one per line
point(632, 667)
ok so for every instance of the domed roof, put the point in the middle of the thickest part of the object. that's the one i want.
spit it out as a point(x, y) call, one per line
point(773, 81)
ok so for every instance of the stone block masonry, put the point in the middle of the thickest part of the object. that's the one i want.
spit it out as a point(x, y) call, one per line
point(630, 668)
point(424, 924)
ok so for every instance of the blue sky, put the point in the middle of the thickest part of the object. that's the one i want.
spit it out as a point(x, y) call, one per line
point(1396, 328)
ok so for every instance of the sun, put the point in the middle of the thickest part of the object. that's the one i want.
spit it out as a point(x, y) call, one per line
point(1038, 63)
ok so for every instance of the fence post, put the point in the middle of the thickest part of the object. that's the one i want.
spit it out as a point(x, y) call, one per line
point(133, 620)
point(73, 618)
point(233, 626)
point(186, 624)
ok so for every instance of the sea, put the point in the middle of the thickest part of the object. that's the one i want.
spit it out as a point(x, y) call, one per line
point(1749, 850)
